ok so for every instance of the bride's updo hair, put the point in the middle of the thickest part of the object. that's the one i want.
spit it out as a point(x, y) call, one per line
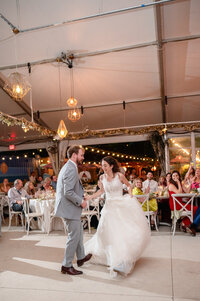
point(112, 161)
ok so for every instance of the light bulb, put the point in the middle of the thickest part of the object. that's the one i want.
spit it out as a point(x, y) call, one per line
point(18, 89)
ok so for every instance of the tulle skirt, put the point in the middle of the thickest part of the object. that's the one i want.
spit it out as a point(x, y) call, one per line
point(122, 235)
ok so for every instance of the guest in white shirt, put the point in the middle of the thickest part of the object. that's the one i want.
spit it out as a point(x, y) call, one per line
point(149, 185)
point(15, 195)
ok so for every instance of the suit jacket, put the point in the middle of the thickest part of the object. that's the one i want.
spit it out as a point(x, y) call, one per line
point(69, 193)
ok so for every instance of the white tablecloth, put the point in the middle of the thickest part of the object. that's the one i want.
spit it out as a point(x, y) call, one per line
point(45, 207)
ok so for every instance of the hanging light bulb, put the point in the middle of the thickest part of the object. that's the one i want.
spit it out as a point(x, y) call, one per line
point(74, 114)
point(72, 102)
point(62, 130)
point(17, 85)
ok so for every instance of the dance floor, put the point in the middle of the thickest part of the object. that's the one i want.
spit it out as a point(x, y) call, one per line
point(30, 269)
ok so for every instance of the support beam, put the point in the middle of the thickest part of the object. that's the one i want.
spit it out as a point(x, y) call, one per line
point(158, 26)
point(100, 15)
point(105, 51)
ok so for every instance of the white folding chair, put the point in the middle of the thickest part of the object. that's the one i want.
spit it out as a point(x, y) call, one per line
point(187, 198)
point(14, 213)
point(92, 209)
point(30, 215)
point(142, 199)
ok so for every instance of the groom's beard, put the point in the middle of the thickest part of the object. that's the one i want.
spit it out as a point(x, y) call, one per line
point(79, 162)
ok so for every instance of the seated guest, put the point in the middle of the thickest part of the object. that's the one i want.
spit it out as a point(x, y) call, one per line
point(5, 186)
point(168, 178)
point(45, 174)
point(15, 195)
point(134, 173)
point(189, 176)
point(176, 187)
point(143, 175)
point(132, 179)
point(30, 189)
point(162, 187)
point(39, 182)
point(46, 185)
point(84, 175)
point(32, 178)
point(54, 182)
point(196, 223)
point(149, 185)
point(137, 190)
point(195, 181)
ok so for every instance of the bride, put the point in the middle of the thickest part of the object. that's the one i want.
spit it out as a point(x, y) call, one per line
point(123, 231)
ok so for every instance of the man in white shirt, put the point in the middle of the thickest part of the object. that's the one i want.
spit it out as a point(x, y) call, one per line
point(15, 195)
point(149, 185)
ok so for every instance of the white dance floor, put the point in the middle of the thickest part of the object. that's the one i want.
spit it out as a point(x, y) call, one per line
point(30, 269)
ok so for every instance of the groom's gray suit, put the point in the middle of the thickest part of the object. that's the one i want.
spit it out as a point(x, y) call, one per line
point(69, 196)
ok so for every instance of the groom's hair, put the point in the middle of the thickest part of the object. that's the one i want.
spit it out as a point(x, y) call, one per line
point(73, 149)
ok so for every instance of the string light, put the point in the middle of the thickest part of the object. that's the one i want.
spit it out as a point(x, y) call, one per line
point(118, 155)
point(180, 147)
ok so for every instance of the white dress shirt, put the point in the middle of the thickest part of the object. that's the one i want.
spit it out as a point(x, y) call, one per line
point(16, 195)
point(150, 183)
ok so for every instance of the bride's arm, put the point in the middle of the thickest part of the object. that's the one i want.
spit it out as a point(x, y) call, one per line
point(96, 194)
point(124, 180)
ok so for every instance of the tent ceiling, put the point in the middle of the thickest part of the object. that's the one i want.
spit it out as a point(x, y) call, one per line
point(126, 65)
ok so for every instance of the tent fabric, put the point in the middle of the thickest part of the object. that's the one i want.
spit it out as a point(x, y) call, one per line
point(116, 59)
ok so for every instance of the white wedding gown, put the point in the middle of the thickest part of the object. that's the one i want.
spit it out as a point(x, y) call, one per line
point(122, 233)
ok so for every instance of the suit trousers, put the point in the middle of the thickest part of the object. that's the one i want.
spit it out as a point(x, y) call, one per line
point(74, 244)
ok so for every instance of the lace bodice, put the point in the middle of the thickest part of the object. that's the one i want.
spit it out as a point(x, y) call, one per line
point(112, 188)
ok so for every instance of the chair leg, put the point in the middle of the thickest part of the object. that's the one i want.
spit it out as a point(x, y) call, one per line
point(10, 220)
point(89, 227)
point(155, 222)
point(174, 226)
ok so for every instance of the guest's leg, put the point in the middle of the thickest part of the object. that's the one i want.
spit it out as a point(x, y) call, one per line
point(17, 207)
point(197, 218)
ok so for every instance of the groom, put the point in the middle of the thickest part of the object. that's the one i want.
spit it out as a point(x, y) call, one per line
point(69, 205)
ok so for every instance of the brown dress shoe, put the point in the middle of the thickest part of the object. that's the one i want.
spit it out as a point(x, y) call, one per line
point(81, 261)
point(70, 271)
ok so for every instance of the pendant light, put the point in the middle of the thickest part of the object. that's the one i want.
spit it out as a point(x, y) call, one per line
point(62, 130)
